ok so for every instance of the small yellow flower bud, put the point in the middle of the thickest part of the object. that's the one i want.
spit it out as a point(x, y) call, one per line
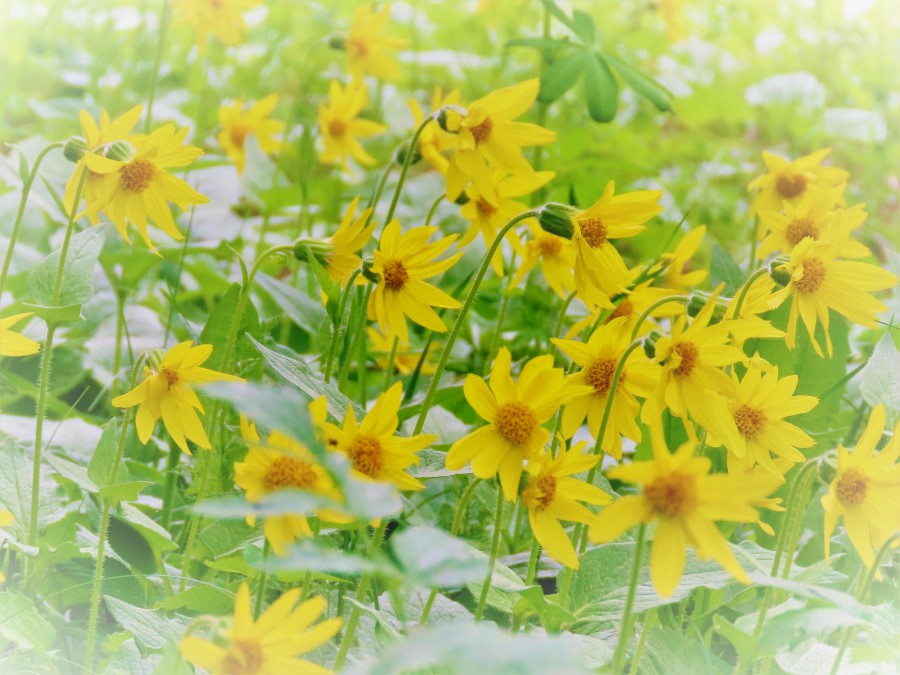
point(75, 148)
point(558, 219)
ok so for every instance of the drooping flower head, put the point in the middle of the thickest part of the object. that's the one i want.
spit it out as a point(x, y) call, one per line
point(269, 645)
point(630, 307)
point(354, 232)
point(340, 126)
point(368, 49)
point(238, 122)
point(13, 344)
point(434, 141)
point(222, 18)
point(678, 276)
point(167, 392)
point(787, 181)
point(556, 256)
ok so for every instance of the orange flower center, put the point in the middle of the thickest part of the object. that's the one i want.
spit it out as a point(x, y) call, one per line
point(357, 48)
point(789, 185)
point(549, 244)
point(245, 658)
point(366, 456)
point(814, 273)
point(516, 422)
point(395, 275)
point(238, 133)
point(137, 175)
point(749, 420)
point(594, 231)
point(799, 228)
point(337, 128)
point(171, 376)
point(624, 308)
point(481, 132)
point(852, 487)
point(485, 208)
point(599, 374)
point(289, 472)
point(671, 496)
point(542, 492)
point(688, 352)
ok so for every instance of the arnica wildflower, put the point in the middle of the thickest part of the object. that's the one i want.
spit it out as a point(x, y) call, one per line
point(167, 392)
point(138, 189)
point(556, 256)
point(222, 18)
point(552, 495)
point(434, 141)
point(631, 306)
point(515, 412)
point(340, 127)
point(685, 501)
point(402, 262)
point(866, 490)
point(787, 181)
point(368, 50)
point(6, 519)
point(13, 344)
point(372, 446)
point(341, 256)
point(238, 122)
point(678, 276)
point(269, 645)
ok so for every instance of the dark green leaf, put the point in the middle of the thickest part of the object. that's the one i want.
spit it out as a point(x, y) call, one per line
point(600, 89)
point(307, 313)
point(100, 469)
point(723, 268)
point(560, 76)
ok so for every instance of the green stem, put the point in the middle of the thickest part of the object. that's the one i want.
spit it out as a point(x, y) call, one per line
point(433, 208)
point(194, 527)
point(261, 588)
point(117, 350)
point(358, 332)
point(160, 41)
point(171, 480)
point(389, 371)
point(532, 562)
point(746, 288)
point(618, 661)
point(557, 329)
point(407, 160)
point(498, 328)
point(461, 317)
point(492, 558)
point(339, 322)
point(659, 303)
point(639, 651)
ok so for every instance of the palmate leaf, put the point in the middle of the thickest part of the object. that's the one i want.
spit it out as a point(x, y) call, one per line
point(600, 89)
point(560, 76)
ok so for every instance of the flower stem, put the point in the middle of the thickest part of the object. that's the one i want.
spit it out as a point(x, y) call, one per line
point(495, 547)
point(160, 43)
point(532, 562)
point(461, 317)
point(358, 332)
point(433, 208)
point(336, 335)
point(745, 288)
point(659, 303)
point(389, 371)
point(407, 160)
point(195, 520)
point(618, 661)
point(169, 489)
point(261, 588)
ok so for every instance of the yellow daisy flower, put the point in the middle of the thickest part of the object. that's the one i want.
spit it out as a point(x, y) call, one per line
point(630, 307)
point(6, 519)
point(13, 344)
point(434, 141)
point(222, 18)
point(139, 188)
point(553, 494)
point(598, 359)
point(339, 127)
point(487, 136)
point(677, 277)
point(819, 283)
point(354, 232)
point(557, 258)
point(515, 412)
point(168, 393)
point(269, 645)
point(368, 51)
point(238, 122)
point(402, 263)
point(787, 181)
point(685, 501)
point(375, 452)
point(866, 491)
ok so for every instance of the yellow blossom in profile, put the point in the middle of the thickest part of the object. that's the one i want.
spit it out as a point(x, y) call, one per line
point(819, 283)
point(238, 122)
point(556, 256)
point(434, 141)
point(598, 359)
point(167, 392)
point(372, 446)
point(866, 490)
point(552, 494)
point(13, 344)
point(368, 50)
point(515, 412)
point(405, 360)
point(787, 181)
point(685, 501)
point(631, 306)
point(340, 127)
point(138, 189)
point(487, 136)
point(354, 232)
point(677, 275)
point(269, 645)
point(402, 263)
point(222, 18)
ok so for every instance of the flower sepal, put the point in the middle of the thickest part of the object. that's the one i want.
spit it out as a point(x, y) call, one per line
point(778, 270)
point(699, 299)
point(75, 148)
point(558, 219)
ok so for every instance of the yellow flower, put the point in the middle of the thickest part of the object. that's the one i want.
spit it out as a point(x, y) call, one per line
point(678, 494)
point(139, 188)
point(553, 494)
point(600, 272)
point(339, 126)
point(238, 122)
point(402, 263)
point(671, 12)
point(368, 50)
point(167, 393)
point(598, 359)
point(677, 277)
point(374, 451)
point(96, 137)
point(786, 181)
point(764, 477)
point(515, 412)
point(222, 18)
point(345, 244)
point(630, 307)
point(405, 360)
point(434, 141)
point(819, 283)
point(277, 464)
point(13, 344)
point(268, 646)
point(6, 519)
point(488, 136)
point(557, 258)
point(866, 491)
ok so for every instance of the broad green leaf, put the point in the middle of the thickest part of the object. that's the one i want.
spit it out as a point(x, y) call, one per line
point(123, 492)
point(670, 652)
point(15, 488)
point(59, 315)
point(723, 268)
point(22, 624)
point(100, 469)
point(642, 83)
point(794, 627)
point(77, 283)
point(600, 89)
point(307, 313)
point(155, 535)
point(505, 586)
point(744, 644)
point(560, 76)
point(201, 600)
point(330, 287)
point(152, 629)
point(433, 559)
point(307, 556)
point(74, 472)
point(583, 25)
point(880, 378)
point(218, 326)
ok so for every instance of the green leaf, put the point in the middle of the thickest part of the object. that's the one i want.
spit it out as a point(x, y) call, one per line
point(218, 326)
point(560, 76)
point(880, 378)
point(642, 83)
point(744, 644)
point(100, 469)
point(669, 652)
point(201, 600)
point(236, 507)
point(544, 44)
point(307, 313)
point(433, 559)
point(157, 536)
point(600, 89)
point(723, 268)
point(77, 283)
point(74, 472)
point(583, 25)
point(15, 488)
point(307, 556)
point(505, 585)
point(330, 287)
point(123, 492)
point(152, 629)
point(58, 315)
point(21, 623)
point(794, 627)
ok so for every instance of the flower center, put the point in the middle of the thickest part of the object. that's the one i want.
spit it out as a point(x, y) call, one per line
point(245, 658)
point(671, 496)
point(485, 208)
point(238, 133)
point(481, 132)
point(789, 185)
point(688, 352)
point(624, 308)
point(366, 456)
point(749, 420)
point(540, 494)
point(599, 375)
point(593, 231)
point(800, 228)
point(516, 422)
point(357, 48)
point(395, 275)
point(336, 128)
point(549, 244)
point(814, 273)
point(171, 376)
point(852, 487)
point(137, 175)
point(289, 472)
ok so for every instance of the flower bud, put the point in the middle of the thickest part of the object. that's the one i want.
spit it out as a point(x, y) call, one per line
point(449, 117)
point(649, 344)
point(75, 148)
point(778, 270)
point(402, 149)
point(337, 41)
point(558, 219)
point(828, 467)
point(366, 271)
point(698, 300)
point(154, 359)
point(121, 151)
point(462, 199)
point(321, 250)
point(246, 208)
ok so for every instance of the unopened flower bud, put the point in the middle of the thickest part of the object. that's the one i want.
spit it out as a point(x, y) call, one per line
point(449, 118)
point(246, 208)
point(462, 199)
point(318, 248)
point(558, 219)
point(366, 271)
point(698, 300)
point(778, 270)
point(402, 149)
point(650, 344)
point(154, 359)
point(75, 148)
point(828, 467)
point(337, 41)
point(121, 151)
